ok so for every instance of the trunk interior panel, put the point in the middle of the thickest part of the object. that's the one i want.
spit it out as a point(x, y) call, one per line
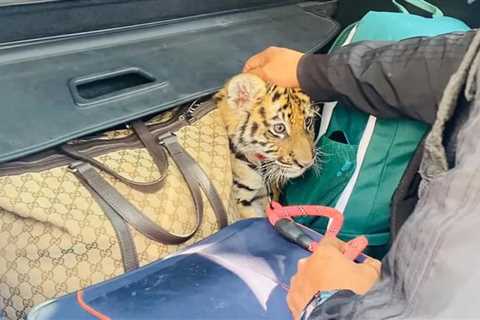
point(85, 83)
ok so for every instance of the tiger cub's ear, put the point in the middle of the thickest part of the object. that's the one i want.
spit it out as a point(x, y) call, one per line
point(244, 90)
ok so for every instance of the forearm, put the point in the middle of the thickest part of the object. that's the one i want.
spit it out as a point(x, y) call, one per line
point(386, 79)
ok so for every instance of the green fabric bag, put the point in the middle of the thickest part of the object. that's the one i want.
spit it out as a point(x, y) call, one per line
point(364, 158)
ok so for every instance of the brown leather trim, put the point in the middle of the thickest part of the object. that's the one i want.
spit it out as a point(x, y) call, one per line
point(127, 211)
point(53, 158)
point(195, 176)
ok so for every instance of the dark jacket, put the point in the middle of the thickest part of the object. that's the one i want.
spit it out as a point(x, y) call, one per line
point(387, 80)
point(405, 78)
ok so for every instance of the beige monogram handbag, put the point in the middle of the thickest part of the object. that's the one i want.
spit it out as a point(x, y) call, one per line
point(99, 206)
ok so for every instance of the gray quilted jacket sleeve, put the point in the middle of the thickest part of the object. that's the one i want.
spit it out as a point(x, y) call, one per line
point(386, 79)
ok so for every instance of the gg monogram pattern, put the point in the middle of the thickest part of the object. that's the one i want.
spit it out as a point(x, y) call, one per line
point(55, 239)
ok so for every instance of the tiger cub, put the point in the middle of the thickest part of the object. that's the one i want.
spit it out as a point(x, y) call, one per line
point(271, 138)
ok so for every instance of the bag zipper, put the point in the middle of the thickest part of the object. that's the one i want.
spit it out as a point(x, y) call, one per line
point(95, 146)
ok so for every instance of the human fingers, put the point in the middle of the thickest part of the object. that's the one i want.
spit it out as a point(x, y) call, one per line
point(259, 72)
point(301, 263)
point(355, 247)
point(331, 241)
point(256, 61)
point(294, 298)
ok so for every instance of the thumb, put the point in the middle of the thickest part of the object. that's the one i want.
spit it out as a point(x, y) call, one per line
point(257, 61)
point(260, 72)
point(355, 247)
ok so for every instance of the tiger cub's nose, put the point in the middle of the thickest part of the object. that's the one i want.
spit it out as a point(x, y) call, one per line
point(305, 163)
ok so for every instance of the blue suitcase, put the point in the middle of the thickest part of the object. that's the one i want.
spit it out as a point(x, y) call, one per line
point(241, 272)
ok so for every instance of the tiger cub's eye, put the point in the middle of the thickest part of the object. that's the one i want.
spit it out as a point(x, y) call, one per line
point(279, 128)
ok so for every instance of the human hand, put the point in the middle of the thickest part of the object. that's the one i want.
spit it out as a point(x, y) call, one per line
point(328, 269)
point(275, 65)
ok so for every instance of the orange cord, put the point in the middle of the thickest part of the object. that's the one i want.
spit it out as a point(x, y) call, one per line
point(86, 307)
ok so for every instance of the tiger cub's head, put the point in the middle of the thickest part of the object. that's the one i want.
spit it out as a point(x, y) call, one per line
point(270, 126)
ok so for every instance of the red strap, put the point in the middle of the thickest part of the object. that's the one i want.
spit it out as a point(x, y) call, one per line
point(89, 309)
point(276, 212)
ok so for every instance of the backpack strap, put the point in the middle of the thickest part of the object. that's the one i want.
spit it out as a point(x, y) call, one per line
point(343, 39)
point(421, 4)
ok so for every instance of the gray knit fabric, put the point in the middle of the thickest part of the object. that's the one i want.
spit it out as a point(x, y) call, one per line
point(431, 271)
point(434, 157)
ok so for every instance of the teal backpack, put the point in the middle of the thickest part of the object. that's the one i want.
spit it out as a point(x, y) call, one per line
point(360, 175)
